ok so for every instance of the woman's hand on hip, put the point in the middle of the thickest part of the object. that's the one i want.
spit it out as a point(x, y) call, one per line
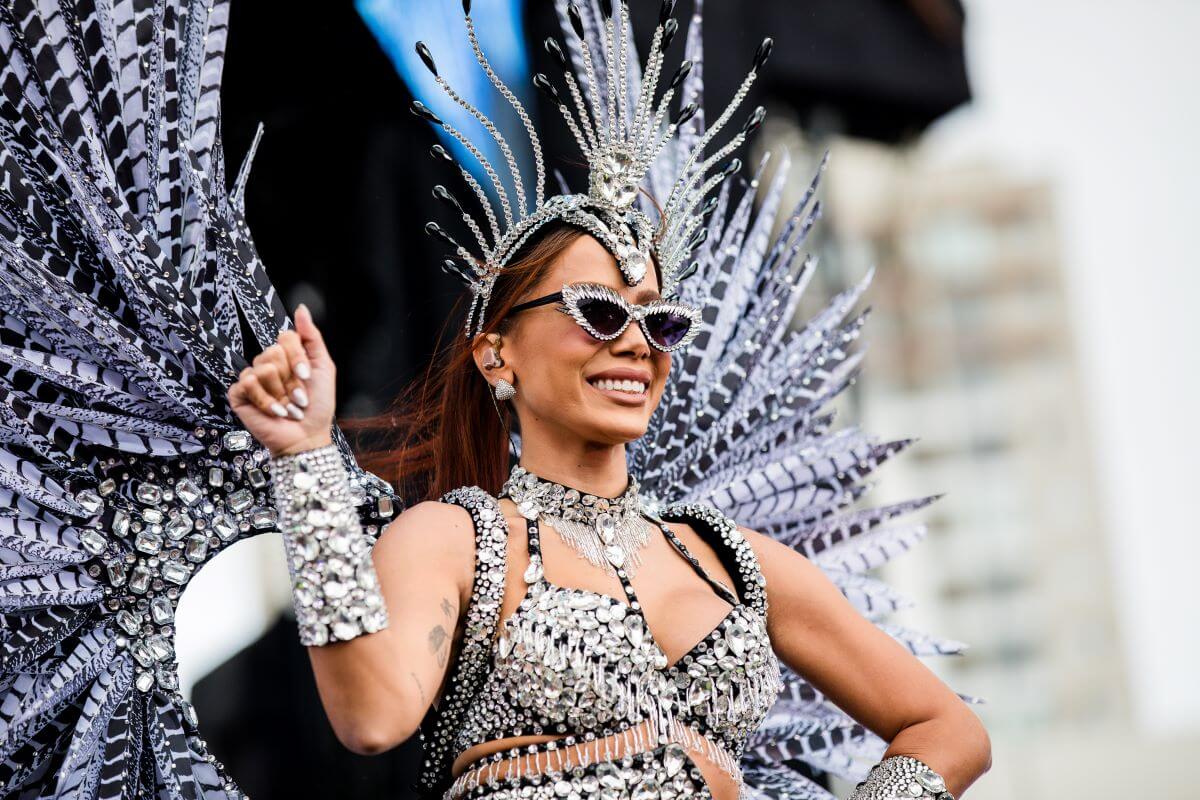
point(286, 397)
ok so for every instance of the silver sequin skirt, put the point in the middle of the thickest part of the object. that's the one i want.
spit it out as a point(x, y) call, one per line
point(665, 773)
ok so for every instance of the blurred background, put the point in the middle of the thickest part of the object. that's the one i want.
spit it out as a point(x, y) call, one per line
point(1022, 177)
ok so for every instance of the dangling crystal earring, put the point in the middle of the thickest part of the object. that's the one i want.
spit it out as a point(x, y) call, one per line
point(505, 390)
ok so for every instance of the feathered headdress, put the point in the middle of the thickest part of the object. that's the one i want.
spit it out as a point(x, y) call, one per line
point(621, 126)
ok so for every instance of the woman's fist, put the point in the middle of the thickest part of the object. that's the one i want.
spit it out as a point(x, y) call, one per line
point(286, 398)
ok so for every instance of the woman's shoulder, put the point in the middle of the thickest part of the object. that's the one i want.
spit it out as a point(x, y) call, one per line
point(434, 512)
point(431, 528)
point(457, 519)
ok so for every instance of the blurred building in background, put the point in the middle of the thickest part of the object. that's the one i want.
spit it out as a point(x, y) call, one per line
point(971, 346)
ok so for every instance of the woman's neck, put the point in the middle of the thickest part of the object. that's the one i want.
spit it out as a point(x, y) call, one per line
point(595, 469)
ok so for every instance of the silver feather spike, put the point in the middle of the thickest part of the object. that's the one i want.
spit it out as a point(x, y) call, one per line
point(621, 130)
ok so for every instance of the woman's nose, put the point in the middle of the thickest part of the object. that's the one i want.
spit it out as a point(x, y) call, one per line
point(633, 341)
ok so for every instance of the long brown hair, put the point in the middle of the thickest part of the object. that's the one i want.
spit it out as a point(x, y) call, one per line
point(443, 431)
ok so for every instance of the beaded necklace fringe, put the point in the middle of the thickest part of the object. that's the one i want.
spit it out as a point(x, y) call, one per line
point(608, 532)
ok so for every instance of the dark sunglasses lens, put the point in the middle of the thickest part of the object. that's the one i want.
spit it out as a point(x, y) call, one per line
point(668, 329)
point(604, 315)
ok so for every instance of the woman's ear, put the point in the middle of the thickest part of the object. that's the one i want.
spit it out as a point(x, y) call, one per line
point(488, 359)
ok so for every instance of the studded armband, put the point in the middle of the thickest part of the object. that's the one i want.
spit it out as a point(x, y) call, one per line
point(898, 777)
point(334, 587)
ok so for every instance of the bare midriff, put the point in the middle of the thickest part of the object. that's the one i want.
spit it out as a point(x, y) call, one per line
point(723, 785)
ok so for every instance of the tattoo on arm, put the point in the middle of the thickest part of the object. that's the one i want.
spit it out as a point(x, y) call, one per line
point(442, 635)
point(420, 688)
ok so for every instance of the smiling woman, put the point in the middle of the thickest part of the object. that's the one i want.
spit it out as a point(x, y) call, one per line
point(556, 687)
point(565, 375)
point(589, 622)
point(586, 382)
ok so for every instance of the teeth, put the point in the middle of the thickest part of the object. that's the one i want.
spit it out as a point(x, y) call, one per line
point(632, 387)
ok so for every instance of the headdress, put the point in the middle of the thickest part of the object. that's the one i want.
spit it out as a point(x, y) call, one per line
point(620, 127)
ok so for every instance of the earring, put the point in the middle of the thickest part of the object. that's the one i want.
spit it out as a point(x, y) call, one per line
point(505, 390)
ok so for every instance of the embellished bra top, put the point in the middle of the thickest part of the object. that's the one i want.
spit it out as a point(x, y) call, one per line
point(576, 662)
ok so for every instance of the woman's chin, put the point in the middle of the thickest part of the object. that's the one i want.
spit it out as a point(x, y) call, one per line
point(618, 432)
point(624, 434)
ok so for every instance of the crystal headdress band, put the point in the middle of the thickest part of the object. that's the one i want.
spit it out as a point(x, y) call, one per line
point(620, 136)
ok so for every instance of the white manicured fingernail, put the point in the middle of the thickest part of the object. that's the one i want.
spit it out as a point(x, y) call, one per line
point(303, 371)
point(279, 410)
point(294, 412)
point(300, 396)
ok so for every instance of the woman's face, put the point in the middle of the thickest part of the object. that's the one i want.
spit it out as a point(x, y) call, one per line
point(566, 380)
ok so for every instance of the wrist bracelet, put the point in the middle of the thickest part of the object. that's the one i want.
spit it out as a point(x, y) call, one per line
point(334, 587)
point(898, 777)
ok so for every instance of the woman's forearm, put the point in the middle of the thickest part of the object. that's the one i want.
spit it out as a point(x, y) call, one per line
point(335, 589)
point(372, 705)
point(338, 598)
point(955, 745)
point(380, 616)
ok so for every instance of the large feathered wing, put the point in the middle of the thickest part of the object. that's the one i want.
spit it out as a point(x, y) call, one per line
point(745, 425)
point(127, 278)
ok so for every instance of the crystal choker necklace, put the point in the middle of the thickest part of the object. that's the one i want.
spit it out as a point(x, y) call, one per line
point(608, 532)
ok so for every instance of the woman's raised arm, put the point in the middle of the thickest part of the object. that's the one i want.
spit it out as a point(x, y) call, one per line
point(377, 673)
point(377, 688)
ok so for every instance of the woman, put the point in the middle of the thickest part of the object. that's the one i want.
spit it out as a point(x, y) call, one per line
point(644, 663)
point(628, 643)
point(579, 400)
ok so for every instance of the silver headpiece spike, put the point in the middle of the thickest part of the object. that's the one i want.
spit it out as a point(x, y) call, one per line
point(622, 137)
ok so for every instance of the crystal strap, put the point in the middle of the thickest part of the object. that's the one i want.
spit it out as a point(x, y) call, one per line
point(334, 587)
point(901, 777)
point(745, 561)
point(467, 673)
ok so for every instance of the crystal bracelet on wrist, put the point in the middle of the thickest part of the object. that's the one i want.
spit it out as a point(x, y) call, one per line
point(334, 587)
point(898, 777)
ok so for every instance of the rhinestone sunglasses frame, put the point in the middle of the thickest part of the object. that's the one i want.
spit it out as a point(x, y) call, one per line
point(573, 294)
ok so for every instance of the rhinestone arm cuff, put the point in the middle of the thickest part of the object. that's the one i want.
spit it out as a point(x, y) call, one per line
point(334, 587)
point(897, 777)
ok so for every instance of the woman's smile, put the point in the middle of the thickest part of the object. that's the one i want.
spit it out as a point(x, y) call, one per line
point(625, 386)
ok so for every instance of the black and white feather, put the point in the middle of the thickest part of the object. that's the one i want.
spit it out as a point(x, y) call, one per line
point(745, 424)
point(126, 271)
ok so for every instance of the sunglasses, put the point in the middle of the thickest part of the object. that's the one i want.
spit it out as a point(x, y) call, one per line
point(605, 315)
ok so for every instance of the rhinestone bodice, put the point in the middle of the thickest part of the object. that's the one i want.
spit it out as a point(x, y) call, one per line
point(576, 662)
